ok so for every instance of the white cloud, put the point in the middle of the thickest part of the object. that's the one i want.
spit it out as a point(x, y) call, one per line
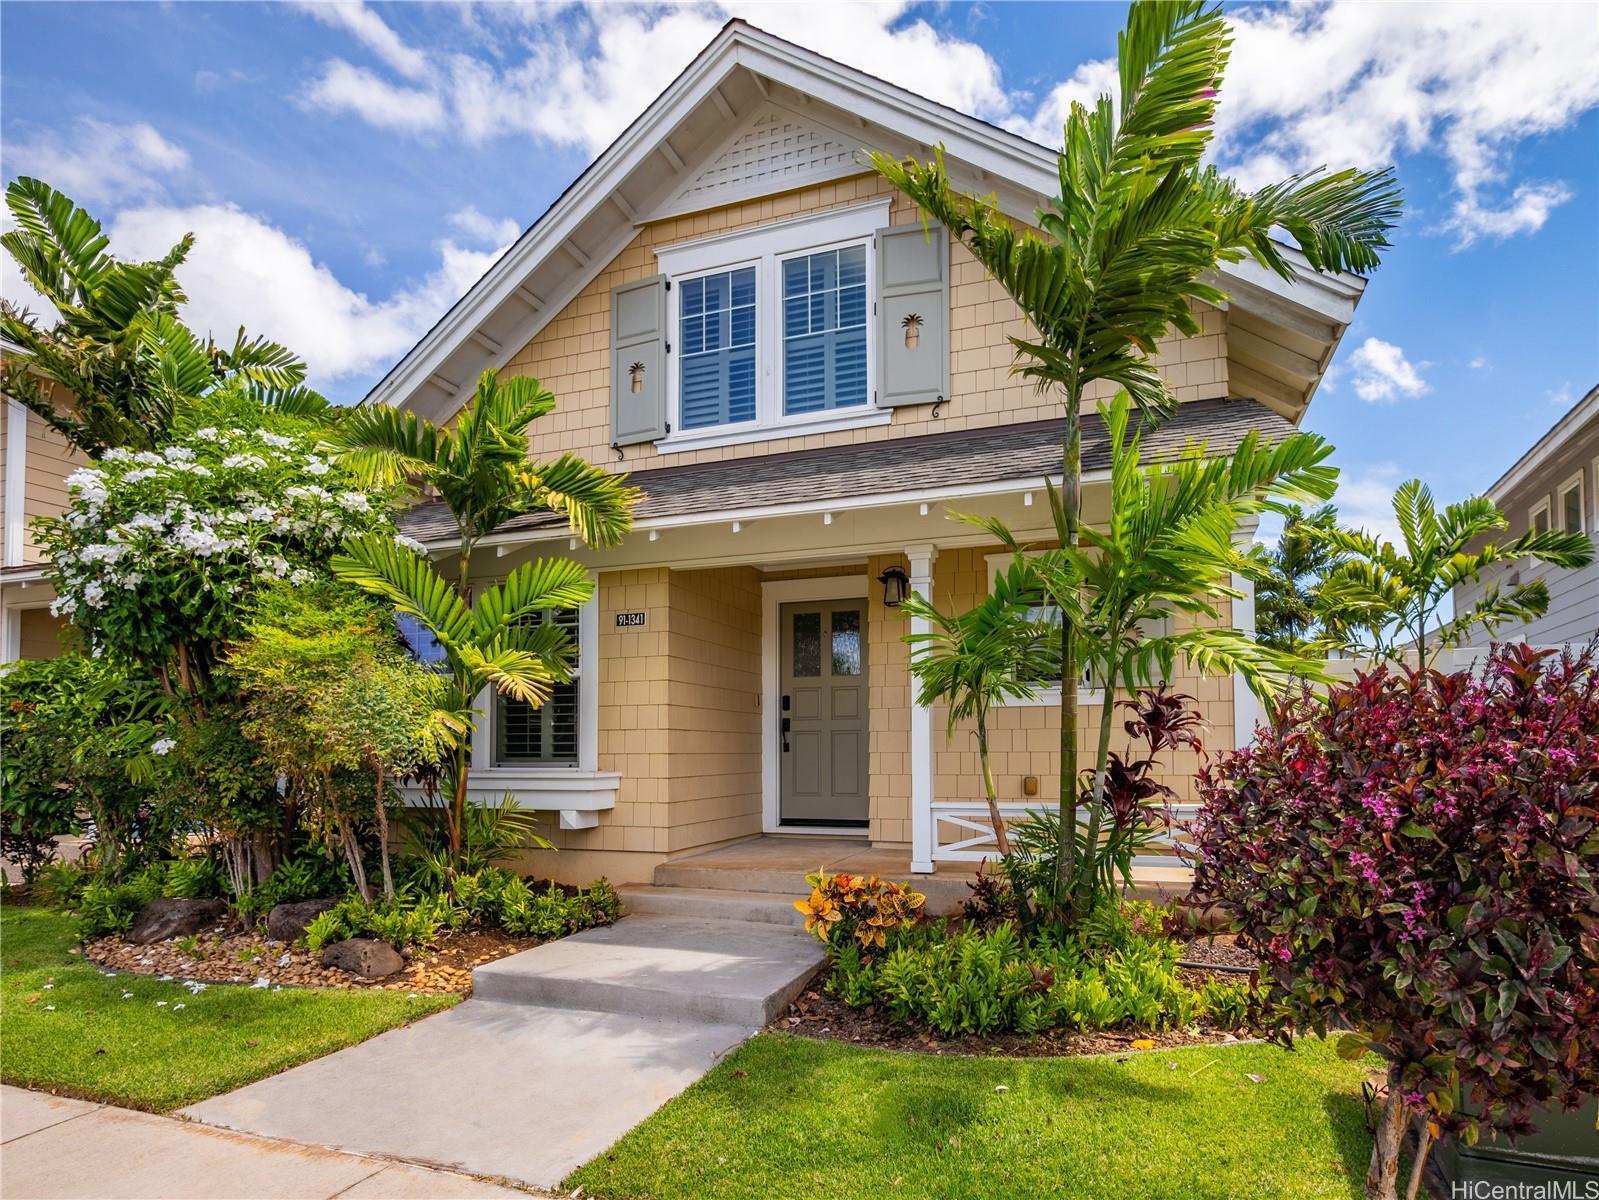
point(1561, 397)
point(1383, 374)
point(1087, 84)
point(495, 231)
point(95, 161)
point(1479, 362)
point(245, 271)
point(344, 87)
point(1365, 499)
point(1356, 84)
point(372, 32)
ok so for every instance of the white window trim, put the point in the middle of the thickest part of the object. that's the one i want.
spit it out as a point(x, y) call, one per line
point(588, 714)
point(764, 248)
point(1043, 697)
point(1542, 506)
point(1582, 502)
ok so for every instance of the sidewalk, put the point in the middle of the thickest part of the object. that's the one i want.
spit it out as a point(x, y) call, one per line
point(56, 1149)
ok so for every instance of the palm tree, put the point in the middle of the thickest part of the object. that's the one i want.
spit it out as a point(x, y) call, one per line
point(1168, 550)
point(1391, 594)
point(1131, 240)
point(973, 660)
point(118, 366)
point(480, 468)
point(1287, 575)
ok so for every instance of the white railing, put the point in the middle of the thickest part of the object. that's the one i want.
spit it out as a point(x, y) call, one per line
point(963, 831)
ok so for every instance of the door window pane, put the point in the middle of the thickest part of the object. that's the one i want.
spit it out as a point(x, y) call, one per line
point(824, 330)
point(716, 343)
point(846, 641)
point(807, 644)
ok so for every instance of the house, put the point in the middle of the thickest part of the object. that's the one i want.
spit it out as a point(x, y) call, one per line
point(35, 461)
point(731, 306)
point(1554, 485)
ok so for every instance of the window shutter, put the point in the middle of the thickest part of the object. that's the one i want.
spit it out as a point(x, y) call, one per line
point(912, 315)
point(638, 361)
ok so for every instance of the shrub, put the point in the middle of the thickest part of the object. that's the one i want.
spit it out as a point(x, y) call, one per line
point(1413, 857)
point(307, 875)
point(859, 906)
point(986, 981)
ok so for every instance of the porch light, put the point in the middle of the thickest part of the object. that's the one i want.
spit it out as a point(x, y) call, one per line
point(896, 586)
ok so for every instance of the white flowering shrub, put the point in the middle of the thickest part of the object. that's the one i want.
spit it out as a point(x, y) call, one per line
point(161, 550)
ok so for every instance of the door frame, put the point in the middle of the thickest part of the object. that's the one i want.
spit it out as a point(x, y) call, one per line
point(774, 594)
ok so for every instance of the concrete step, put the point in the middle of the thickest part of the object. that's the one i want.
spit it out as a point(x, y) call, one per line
point(945, 892)
point(762, 908)
point(673, 967)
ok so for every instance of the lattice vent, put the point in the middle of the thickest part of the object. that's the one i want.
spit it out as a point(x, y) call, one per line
point(777, 151)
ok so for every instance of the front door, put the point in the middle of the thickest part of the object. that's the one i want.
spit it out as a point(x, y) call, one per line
point(822, 713)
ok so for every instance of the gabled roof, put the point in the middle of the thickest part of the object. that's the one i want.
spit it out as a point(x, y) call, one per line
point(1577, 417)
point(899, 470)
point(1284, 334)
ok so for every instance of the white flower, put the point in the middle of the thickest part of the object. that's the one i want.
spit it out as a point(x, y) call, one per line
point(355, 501)
point(273, 439)
point(106, 552)
point(148, 458)
point(204, 472)
point(409, 543)
point(179, 1005)
point(139, 475)
point(178, 454)
point(89, 484)
point(315, 466)
point(207, 434)
point(234, 462)
point(261, 512)
point(93, 594)
point(116, 454)
point(300, 576)
point(163, 746)
point(63, 606)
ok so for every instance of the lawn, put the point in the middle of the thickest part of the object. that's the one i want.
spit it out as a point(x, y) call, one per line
point(141, 1043)
point(790, 1116)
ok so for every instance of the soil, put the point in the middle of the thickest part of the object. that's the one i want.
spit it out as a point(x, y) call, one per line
point(1219, 950)
point(817, 1015)
point(231, 953)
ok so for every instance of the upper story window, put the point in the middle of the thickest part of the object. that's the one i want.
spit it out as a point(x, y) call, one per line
point(1571, 505)
point(716, 347)
point(824, 330)
point(773, 330)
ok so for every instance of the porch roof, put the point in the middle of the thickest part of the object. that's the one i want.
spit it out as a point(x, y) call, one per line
point(971, 457)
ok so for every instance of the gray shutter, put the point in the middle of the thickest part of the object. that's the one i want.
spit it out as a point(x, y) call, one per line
point(912, 282)
point(638, 350)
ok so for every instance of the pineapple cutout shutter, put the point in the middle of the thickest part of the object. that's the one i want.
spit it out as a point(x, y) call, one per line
point(638, 362)
point(912, 315)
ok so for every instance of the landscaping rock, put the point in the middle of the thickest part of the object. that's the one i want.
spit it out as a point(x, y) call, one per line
point(366, 957)
point(170, 918)
point(286, 922)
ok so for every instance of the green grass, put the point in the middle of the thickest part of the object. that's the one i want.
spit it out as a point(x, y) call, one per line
point(789, 1116)
point(141, 1054)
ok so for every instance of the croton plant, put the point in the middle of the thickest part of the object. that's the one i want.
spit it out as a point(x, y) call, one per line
point(1414, 857)
point(862, 906)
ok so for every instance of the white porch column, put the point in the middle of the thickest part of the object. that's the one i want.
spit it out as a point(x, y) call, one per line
point(921, 572)
point(1246, 707)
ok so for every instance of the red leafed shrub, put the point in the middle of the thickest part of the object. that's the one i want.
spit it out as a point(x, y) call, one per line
point(1414, 858)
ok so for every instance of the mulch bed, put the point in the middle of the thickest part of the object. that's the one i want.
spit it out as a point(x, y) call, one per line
point(1220, 950)
point(230, 953)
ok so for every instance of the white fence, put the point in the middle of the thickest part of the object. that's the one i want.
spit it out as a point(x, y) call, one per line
point(963, 831)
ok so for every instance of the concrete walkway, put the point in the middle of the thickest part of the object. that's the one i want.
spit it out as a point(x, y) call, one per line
point(57, 1149)
point(561, 1051)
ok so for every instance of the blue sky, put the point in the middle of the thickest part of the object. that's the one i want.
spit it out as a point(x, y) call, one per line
point(350, 170)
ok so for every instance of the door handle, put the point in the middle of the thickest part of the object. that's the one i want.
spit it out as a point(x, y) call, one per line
point(783, 729)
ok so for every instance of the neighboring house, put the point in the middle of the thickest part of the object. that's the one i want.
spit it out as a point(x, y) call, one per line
point(731, 305)
point(1553, 485)
point(34, 463)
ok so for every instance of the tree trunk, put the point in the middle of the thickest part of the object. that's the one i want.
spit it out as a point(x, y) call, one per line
point(1001, 838)
point(1418, 1169)
point(1382, 1177)
point(383, 838)
point(1071, 499)
point(1087, 881)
